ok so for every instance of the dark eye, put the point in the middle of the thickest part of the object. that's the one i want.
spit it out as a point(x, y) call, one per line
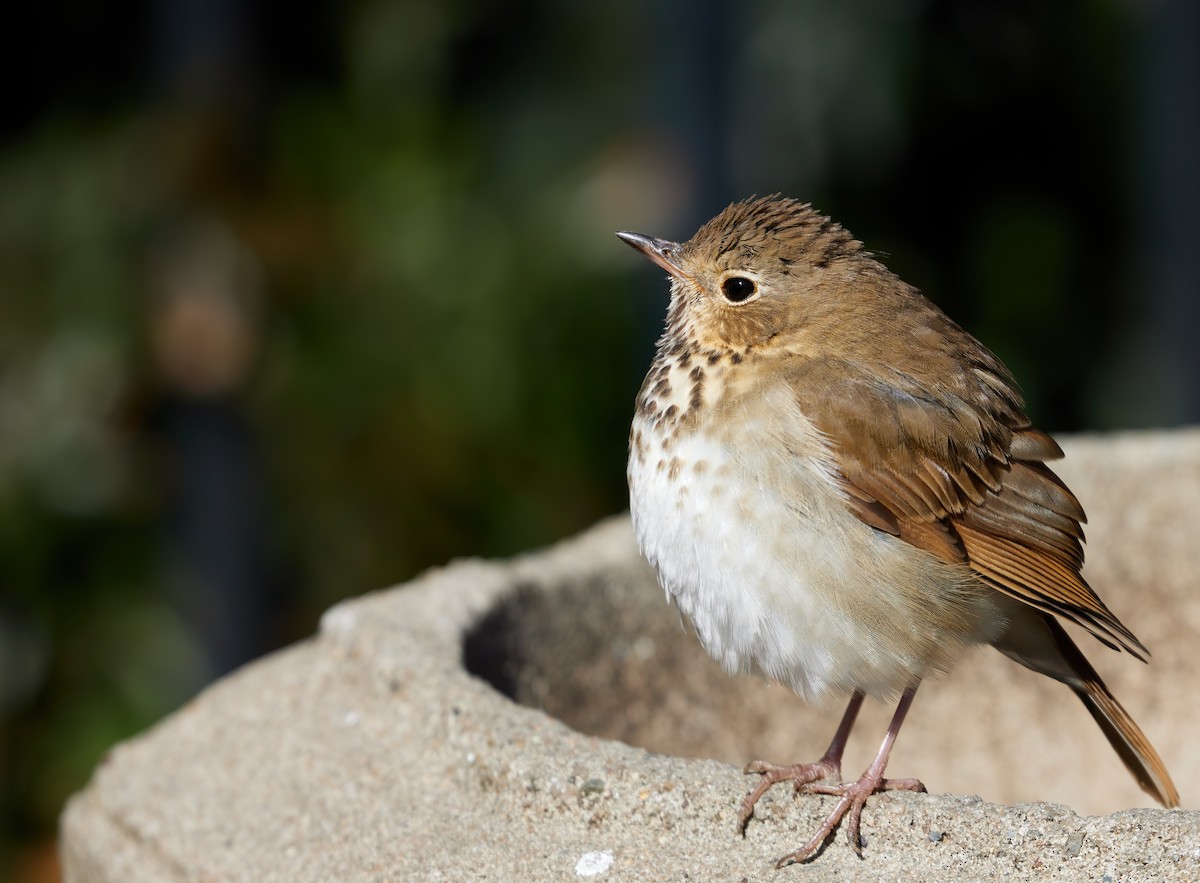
point(738, 288)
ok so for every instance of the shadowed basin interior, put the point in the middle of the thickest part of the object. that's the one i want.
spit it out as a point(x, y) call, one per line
point(609, 656)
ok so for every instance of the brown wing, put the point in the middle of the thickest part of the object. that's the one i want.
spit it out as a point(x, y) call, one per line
point(958, 470)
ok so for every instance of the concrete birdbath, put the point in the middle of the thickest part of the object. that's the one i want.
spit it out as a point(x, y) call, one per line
point(549, 718)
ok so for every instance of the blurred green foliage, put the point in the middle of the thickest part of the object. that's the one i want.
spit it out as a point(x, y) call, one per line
point(444, 360)
point(447, 337)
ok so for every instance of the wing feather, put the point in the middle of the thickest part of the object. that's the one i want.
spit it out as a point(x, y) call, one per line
point(955, 468)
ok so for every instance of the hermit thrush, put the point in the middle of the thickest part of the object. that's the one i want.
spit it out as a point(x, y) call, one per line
point(840, 489)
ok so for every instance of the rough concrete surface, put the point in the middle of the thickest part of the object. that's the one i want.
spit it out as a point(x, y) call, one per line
point(390, 747)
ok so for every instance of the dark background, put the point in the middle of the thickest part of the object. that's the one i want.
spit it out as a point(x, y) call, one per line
point(298, 300)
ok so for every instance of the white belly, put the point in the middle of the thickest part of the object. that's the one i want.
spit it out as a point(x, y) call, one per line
point(777, 577)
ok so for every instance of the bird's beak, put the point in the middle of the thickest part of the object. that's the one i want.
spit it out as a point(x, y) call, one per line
point(661, 251)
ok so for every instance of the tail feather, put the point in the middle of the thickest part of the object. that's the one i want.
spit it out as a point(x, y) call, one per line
point(1125, 736)
point(1038, 642)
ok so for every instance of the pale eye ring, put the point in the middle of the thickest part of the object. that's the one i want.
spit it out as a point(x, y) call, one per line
point(738, 288)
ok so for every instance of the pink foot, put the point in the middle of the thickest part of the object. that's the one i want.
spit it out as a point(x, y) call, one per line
point(853, 798)
point(853, 795)
point(828, 767)
point(802, 774)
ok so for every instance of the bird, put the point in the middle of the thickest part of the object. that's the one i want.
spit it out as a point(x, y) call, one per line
point(840, 489)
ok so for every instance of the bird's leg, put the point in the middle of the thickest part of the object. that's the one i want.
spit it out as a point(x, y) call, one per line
point(828, 767)
point(854, 794)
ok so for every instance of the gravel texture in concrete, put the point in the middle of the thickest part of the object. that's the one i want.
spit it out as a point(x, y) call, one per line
point(548, 718)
